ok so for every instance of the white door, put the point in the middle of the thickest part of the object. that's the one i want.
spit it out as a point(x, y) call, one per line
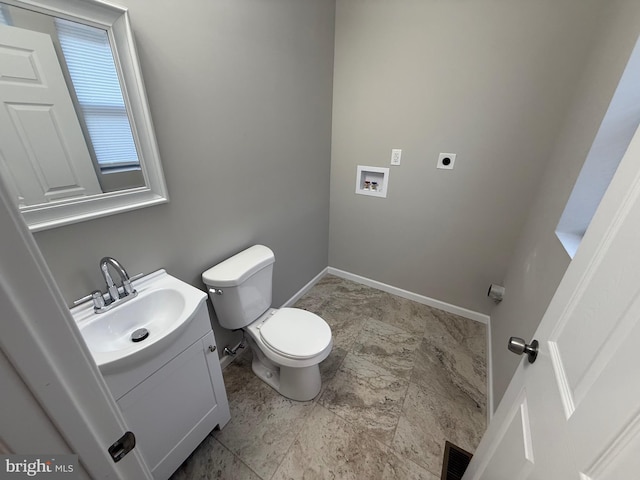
point(43, 153)
point(64, 394)
point(574, 414)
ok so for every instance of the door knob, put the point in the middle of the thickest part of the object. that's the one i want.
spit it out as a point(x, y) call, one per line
point(518, 346)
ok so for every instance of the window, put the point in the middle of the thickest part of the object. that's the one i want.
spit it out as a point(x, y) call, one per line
point(609, 146)
point(4, 16)
point(88, 56)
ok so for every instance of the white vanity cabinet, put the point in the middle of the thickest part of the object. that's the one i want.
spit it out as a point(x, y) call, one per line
point(174, 399)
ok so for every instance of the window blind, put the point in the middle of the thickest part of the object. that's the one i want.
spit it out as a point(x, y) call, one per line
point(4, 17)
point(95, 79)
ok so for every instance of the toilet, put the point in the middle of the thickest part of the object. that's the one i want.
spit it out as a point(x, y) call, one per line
point(288, 344)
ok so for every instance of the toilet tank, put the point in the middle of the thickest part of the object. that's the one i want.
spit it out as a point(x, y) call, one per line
point(240, 286)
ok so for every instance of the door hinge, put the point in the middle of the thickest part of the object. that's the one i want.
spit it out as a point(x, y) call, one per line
point(122, 446)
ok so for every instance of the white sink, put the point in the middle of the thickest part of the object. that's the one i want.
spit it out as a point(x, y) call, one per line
point(164, 307)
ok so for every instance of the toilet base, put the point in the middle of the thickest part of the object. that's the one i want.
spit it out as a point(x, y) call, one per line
point(300, 384)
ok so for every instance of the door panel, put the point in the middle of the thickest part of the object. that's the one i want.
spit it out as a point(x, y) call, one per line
point(607, 422)
point(598, 319)
point(515, 444)
point(18, 66)
point(620, 458)
point(49, 168)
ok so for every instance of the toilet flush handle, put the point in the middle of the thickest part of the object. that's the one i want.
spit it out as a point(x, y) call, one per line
point(217, 291)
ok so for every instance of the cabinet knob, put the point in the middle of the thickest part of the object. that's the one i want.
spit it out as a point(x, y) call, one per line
point(212, 348)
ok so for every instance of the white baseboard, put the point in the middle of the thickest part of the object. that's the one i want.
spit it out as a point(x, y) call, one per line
point(489, 375)
point(305, 289)
point(432, 302)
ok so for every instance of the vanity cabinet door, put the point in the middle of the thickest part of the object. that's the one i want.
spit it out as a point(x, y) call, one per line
point(174, 409)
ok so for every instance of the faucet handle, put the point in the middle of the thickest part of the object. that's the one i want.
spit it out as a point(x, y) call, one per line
point(96, 296)
point(127, 286)
point(114, 295)
point(98, 299)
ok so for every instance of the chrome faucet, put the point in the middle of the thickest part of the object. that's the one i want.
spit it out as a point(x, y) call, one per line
point(114, 295)
point(127, 288)
point(102, 304)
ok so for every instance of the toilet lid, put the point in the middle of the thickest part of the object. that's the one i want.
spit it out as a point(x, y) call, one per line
point(296, 333)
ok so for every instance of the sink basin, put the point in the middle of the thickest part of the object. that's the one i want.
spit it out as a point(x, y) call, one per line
point(156, 312)
point(164, 307)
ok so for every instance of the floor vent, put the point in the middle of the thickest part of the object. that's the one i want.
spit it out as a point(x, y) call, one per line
point(456, 461)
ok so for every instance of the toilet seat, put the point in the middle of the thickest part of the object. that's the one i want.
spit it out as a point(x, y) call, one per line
point(295, 333)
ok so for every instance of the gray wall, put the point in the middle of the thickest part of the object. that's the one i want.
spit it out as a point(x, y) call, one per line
point(489, 80)
point(539, 260)
point(240, 95)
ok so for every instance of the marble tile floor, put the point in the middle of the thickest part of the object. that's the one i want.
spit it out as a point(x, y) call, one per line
point(402, 378)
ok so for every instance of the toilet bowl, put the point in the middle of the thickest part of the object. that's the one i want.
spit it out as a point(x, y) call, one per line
point(288, 344)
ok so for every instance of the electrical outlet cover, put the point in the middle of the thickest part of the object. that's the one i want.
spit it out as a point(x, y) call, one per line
point(446, 161)
point(396, 155)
